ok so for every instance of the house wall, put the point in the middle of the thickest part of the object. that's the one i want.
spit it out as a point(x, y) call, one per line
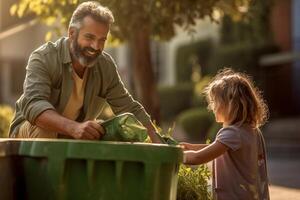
point(20, 45)
point(281, 24)
point(278, 90)
point(14, 53)
point(283, 80)
point(17, 40)
point(296, 48)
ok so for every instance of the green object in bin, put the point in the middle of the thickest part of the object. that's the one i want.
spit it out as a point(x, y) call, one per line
point(124, 127)
point(167, 139)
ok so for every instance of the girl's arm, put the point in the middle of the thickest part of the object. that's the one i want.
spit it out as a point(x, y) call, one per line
point(195, 147)
point(204, 155)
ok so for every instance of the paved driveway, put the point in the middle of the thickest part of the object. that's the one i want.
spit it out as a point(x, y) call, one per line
point(284, 173)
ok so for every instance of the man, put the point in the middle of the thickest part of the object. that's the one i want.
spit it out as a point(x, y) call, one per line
point(68, 82)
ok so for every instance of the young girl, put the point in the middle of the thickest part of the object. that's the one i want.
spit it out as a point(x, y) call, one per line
point(239, 167)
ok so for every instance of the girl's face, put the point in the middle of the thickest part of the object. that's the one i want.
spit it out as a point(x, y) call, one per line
point(217, 109)
point(219, 116)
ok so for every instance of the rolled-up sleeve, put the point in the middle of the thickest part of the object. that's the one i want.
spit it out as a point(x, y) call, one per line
point(121, 101)
point(37, 88)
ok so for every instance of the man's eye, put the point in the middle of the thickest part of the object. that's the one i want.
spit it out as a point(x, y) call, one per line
point(89, 38)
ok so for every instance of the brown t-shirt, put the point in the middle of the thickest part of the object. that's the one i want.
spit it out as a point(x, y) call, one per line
point(241, 172)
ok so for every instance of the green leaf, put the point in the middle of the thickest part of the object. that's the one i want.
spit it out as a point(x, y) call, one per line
point(50, 20)
point(13, 9)
point(48, 36)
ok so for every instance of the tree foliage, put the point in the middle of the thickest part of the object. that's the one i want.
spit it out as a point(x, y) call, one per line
point(254, 29)
point(159, 15)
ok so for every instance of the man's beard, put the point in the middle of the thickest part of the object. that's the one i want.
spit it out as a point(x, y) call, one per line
point(80, 53)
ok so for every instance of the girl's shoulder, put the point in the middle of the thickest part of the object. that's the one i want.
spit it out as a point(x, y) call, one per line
point(229, 129)
point(234, 129)
point(229, 136)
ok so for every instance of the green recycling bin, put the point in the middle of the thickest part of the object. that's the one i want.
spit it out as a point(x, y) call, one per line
point(35, 169)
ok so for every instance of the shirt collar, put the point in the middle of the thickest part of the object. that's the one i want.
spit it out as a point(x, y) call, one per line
point(66, 51)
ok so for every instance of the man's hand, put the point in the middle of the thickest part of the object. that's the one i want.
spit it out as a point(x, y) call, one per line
point(89, 130)
point(152, 133)
point(52, 121)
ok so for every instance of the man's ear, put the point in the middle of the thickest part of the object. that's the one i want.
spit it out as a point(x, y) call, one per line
point(71, 33)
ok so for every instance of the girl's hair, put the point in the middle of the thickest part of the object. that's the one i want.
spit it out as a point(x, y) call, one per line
point(234, 95)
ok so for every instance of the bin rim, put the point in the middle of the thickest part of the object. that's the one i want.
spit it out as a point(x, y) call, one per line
point(96, 150)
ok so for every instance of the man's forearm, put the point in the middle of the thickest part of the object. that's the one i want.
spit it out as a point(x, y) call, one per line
point(52, 121)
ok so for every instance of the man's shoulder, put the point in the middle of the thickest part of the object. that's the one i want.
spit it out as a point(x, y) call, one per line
point(50, 46)
point(106, 62)
point(106, 57)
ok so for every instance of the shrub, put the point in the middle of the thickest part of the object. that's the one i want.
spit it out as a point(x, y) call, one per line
point(193, 183)
point(196, 123)
point(175, 99)
point(213, 130)
point(198, 100)
point(6, 114)
point(200, 49)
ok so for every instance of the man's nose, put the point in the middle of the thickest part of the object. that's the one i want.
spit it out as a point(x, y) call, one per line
point(96, 45)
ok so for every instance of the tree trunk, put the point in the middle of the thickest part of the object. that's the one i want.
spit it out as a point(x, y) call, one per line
point(144, 79)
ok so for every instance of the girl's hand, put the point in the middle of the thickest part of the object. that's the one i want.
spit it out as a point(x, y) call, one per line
point(185, 146)
point(188, 146)
point(189, 157)
point(204, 155)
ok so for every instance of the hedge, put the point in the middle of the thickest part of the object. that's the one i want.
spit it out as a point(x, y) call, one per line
point(241, 57)
point(201, 49)
point(174, 99)
point(196, 123)
point(212, 131)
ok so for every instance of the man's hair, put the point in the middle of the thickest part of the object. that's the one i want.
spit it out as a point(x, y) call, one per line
point(234, 95)
point(93, 9)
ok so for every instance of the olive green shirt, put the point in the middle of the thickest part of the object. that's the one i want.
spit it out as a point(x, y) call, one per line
point(48, 85)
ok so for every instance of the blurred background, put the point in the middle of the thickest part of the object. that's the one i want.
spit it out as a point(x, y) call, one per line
point(167, 52)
